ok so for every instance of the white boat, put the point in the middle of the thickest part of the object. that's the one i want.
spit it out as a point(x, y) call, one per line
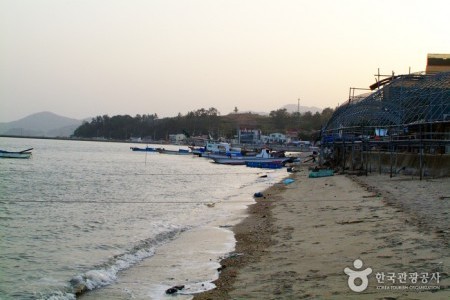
point(264, 157)
point(229, 160)
point(217, 149)
point(21, 154)
point(221, 147)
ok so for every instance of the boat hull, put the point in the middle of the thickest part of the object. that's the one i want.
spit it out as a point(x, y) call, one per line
point(143, 149)
point(175, 152)
point(229, 161)
point(252, 161)
point(23, 155)
point(264, 165)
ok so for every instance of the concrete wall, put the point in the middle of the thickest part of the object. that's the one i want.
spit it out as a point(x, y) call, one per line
point(401, 163)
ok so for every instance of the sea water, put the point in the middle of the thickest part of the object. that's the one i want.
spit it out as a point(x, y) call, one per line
point(99, 218)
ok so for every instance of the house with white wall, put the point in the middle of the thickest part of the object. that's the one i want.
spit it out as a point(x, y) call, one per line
point(177, 138)
point(277, 137)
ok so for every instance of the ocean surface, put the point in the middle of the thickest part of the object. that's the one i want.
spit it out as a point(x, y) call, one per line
point(118, 224)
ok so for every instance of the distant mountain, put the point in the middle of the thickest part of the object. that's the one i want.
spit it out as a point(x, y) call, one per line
point(294, 108)
point(43, 124)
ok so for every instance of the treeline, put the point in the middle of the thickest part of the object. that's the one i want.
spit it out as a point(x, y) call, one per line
point(202, 122)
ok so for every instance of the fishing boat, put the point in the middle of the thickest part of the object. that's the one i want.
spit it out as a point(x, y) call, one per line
point(250, 160)
point(216, 149)
point(228, 160)
point(175, 152)
point(147, 149)
point(21, 154)
point(264, 165)
point(265, 158)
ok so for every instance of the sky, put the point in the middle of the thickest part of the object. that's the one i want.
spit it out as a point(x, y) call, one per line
point(84, 58)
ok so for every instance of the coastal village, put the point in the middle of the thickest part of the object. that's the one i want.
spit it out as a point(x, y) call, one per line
point(401, 126)
point(225, 150)
point(385, 223)
point(362, 213)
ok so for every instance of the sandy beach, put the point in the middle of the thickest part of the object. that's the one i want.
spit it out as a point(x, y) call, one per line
point(299, 238)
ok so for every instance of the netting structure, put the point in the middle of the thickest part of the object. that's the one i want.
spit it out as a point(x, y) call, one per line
point(404, 124)
point(402, 103)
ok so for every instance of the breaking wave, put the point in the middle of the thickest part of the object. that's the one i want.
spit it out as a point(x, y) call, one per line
point(107, 273)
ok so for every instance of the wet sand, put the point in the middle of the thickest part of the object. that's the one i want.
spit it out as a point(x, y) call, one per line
point(299, 238)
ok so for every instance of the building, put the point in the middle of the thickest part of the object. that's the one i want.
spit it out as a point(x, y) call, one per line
point(292, 135)
point(177, 138)
point(437, 63)
point(249, 136)
point(277, 138)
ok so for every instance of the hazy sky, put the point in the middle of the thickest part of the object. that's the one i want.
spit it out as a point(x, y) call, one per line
point(83, 58)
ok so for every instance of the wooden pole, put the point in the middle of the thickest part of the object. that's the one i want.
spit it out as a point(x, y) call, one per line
point(390, 159)
point(379, 160)
point(421, 154)
point(343, 155)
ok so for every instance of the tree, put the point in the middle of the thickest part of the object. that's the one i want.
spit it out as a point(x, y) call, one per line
point(279, 118)
point(201, 122)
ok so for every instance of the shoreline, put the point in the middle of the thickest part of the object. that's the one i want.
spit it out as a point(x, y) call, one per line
point(192, 258)
point(253, 236)
point(298, 238)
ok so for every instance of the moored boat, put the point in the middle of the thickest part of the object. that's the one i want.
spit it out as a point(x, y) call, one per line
point(213, 149)
point(226, 160)
point(264, 165)
point(265, 158)
point(21, 154)
point(147, 149)
point(175, 152)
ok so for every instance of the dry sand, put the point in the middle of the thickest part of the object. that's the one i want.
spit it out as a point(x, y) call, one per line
point(298, 239)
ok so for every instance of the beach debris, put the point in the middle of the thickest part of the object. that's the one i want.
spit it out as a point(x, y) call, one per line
point(263, 176)
point(210, 204)
point(350, 222)
point(293, 170)
point(219, 269)
point(78, 284)
point(174, 289)
point(225, 226)
point(372, 195)
point(258, 195)
point(194, 288)
point(234, 255)
point(288, 181)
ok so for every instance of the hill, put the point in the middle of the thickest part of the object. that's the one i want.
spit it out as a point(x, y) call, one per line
point(43, 124)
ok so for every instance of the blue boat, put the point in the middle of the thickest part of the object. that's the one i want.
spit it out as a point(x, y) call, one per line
point(175, 152)
point(264, 165)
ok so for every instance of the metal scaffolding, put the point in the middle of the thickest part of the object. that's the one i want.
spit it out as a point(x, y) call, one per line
point(404, 113)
